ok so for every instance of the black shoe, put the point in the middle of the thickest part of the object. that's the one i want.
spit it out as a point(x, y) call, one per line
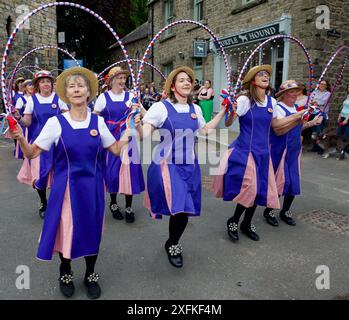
point(174, 253)
point(42, 210)
point(129, 216)
point(249, 231)
point(341, 155)
point(270, 218)
point(287, 218)
point(66, 284)
point(93, 290)
point(115, 210)
point(233, 230)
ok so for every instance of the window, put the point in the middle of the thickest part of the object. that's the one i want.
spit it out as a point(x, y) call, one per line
point(198, 69)
point(169, 16)
point(198, 10)
point(168, 68)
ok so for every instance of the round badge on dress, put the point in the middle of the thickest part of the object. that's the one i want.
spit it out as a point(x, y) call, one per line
point(270, 110)
point(54, 106)
point(194, 116)
point(94, 133)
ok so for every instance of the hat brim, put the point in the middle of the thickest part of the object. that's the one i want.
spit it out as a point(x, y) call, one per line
point(280, 93)
point(19, 80)
point(174, 73)
point(126, 72)
point(35, 80)
point(60, 82)
point(253, 71)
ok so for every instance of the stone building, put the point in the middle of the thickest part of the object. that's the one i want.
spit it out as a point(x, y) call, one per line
point(241, 25)
point(39, 30)
point(135, 43)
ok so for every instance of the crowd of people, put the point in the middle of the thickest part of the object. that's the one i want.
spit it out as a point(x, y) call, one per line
point(61, 121)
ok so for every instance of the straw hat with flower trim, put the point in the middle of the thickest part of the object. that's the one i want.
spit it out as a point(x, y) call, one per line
point(288, 85)
point(90, 76)
point(174, 73)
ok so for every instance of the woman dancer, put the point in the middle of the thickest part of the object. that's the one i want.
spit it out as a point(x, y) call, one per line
point(75, 210)
point(122, 175)
point(174, 178)
point(43, 105)
point(246, 173)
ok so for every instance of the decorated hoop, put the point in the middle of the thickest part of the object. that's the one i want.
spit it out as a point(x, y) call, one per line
point(132, 60)
point(26, 68)
point(298, 42)
point(339, 75)
point(173, 24)
point(7, 101)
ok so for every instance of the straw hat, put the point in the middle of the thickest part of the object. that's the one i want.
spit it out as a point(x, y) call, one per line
point(91, 77)
point(19, 80)
point(288, 85)
point(27, 82)
point(253, 71)
point(42, 74)
point(174, 73)
point(113, 72)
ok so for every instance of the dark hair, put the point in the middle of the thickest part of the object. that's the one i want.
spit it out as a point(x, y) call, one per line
point(36, 85)
point(16, 86)
point(172, 96)
point(328, 86)
point(210, 82)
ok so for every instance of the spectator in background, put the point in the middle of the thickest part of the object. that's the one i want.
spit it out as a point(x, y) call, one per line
point(205, 97)
point(320, 98)
point(146, 99)
point(195, 92)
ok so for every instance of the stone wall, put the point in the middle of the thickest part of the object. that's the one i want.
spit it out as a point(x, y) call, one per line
point(225, 17)
point(135, 50)
point(41, 30)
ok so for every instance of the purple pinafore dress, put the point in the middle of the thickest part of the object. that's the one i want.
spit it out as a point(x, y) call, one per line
point(246, 174)
point(18, 151)
point(77, 169)
point(122, 174)
point(286, 153)
point(174, 177)
point(37, 171)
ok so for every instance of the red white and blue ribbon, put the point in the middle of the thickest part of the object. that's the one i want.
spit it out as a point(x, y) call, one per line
point(100, 75)
point(6, 95)
point(238, 85)
point(171, 25)
point(339, 75)
point(33, 51)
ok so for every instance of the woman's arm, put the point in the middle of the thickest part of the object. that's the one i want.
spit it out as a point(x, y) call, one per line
point(315, 122)
point(284, 125)
point(213, 123)
point(117, 146)
point(30, 151)
point(25, 121)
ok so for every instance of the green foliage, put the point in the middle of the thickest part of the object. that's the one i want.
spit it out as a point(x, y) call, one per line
point(88, 37)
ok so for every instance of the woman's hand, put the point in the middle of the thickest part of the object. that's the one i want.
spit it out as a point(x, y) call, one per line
point(17, 133)
point(17, 115)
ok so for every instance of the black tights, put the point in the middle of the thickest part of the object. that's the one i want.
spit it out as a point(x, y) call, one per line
point(178, 223)
point(65, 266)
point(240, 209)
point(42, 195)
point(128, 199)
point(285, 206)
